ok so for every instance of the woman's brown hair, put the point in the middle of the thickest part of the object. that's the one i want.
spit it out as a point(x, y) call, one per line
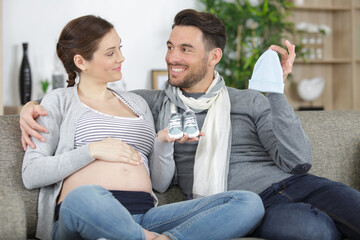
point(81, 36)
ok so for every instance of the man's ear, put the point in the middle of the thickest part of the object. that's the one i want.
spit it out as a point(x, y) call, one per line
point(79, 62)
point(215, 56)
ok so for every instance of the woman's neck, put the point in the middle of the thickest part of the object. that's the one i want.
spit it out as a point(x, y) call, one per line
point(92, 90)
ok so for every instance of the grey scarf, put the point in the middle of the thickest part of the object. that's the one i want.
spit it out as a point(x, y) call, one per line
point(213, 151)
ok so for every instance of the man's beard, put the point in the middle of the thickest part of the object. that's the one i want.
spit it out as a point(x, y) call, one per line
point(191, 79)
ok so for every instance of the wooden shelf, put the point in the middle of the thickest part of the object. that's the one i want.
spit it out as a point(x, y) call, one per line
point(321, 9)
point(340, 51)
point(12, 110)
point(324, 61)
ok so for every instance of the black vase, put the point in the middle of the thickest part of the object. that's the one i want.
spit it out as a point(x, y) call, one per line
point(25, 77)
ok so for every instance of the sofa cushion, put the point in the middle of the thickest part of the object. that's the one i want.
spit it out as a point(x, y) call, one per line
point(335, 142)
point(11, 155)
point(173, 194)
point(12, 214)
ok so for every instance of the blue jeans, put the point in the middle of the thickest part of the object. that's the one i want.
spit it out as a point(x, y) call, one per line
point(91, 212)
point(310, 207)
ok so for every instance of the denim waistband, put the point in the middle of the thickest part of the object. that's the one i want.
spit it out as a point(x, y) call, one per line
point(134, 202)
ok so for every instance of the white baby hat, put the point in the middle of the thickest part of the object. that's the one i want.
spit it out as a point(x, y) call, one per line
point(267, 75)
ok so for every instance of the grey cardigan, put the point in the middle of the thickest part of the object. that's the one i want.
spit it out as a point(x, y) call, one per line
point(51, 161)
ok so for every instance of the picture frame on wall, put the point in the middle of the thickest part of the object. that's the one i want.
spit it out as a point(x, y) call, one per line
point(159, 77)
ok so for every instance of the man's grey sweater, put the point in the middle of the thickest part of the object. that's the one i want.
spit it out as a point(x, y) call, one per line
point(268, 143)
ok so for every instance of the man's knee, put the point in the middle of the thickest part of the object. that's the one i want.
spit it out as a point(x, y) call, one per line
point(297, 221)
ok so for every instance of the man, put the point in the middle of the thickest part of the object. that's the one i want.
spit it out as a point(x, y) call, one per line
point(251, 142)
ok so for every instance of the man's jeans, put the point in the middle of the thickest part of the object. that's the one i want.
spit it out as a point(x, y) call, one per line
point(91, 212)
point(309, 207)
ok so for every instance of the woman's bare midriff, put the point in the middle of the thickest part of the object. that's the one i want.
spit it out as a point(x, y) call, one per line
point(111, 176)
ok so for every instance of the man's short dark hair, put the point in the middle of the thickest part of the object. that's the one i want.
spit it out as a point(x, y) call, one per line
point(210, 25)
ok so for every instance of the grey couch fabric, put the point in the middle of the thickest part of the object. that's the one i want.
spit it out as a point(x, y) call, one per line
point(11, 155)
point(334, 135)
point(335, 142)
point(12, 215)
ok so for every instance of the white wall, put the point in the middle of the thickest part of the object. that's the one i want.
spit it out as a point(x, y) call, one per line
point(143, 25)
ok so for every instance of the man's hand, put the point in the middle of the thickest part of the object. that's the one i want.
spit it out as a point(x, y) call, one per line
point(186, 138)
point(287, 59)
point(29, 126)
point(163, 136)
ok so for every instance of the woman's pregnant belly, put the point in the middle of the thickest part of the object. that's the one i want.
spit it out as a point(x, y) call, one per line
point(111, 176)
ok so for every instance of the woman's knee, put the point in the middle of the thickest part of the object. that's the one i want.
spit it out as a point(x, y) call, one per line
point(248, 205)
point(83, 202)
point(250, 200)
point(83, 196)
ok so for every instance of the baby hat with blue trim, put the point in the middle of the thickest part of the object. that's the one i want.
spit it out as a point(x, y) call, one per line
point(268, 74)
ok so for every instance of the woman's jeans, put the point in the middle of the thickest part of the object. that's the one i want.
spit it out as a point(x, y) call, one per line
point(91, 212)
point(309, 207)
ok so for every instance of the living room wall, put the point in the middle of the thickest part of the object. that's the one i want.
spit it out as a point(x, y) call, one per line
point(143, 25)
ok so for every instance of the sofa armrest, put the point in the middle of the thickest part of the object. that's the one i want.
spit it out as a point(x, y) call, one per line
point(12, 215)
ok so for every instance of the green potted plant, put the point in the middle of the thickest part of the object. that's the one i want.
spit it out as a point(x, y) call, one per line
point(44, 86)
point(251, 27)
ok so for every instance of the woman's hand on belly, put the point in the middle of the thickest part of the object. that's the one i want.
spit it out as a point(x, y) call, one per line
point(114, 150)
point(111, 176)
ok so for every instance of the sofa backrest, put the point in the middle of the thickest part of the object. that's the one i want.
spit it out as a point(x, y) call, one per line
point(335, 141)
point(11, 155)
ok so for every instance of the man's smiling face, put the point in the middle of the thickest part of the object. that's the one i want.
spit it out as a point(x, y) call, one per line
point(187, 58)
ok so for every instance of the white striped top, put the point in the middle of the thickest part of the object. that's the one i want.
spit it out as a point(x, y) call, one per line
point(95, 126)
